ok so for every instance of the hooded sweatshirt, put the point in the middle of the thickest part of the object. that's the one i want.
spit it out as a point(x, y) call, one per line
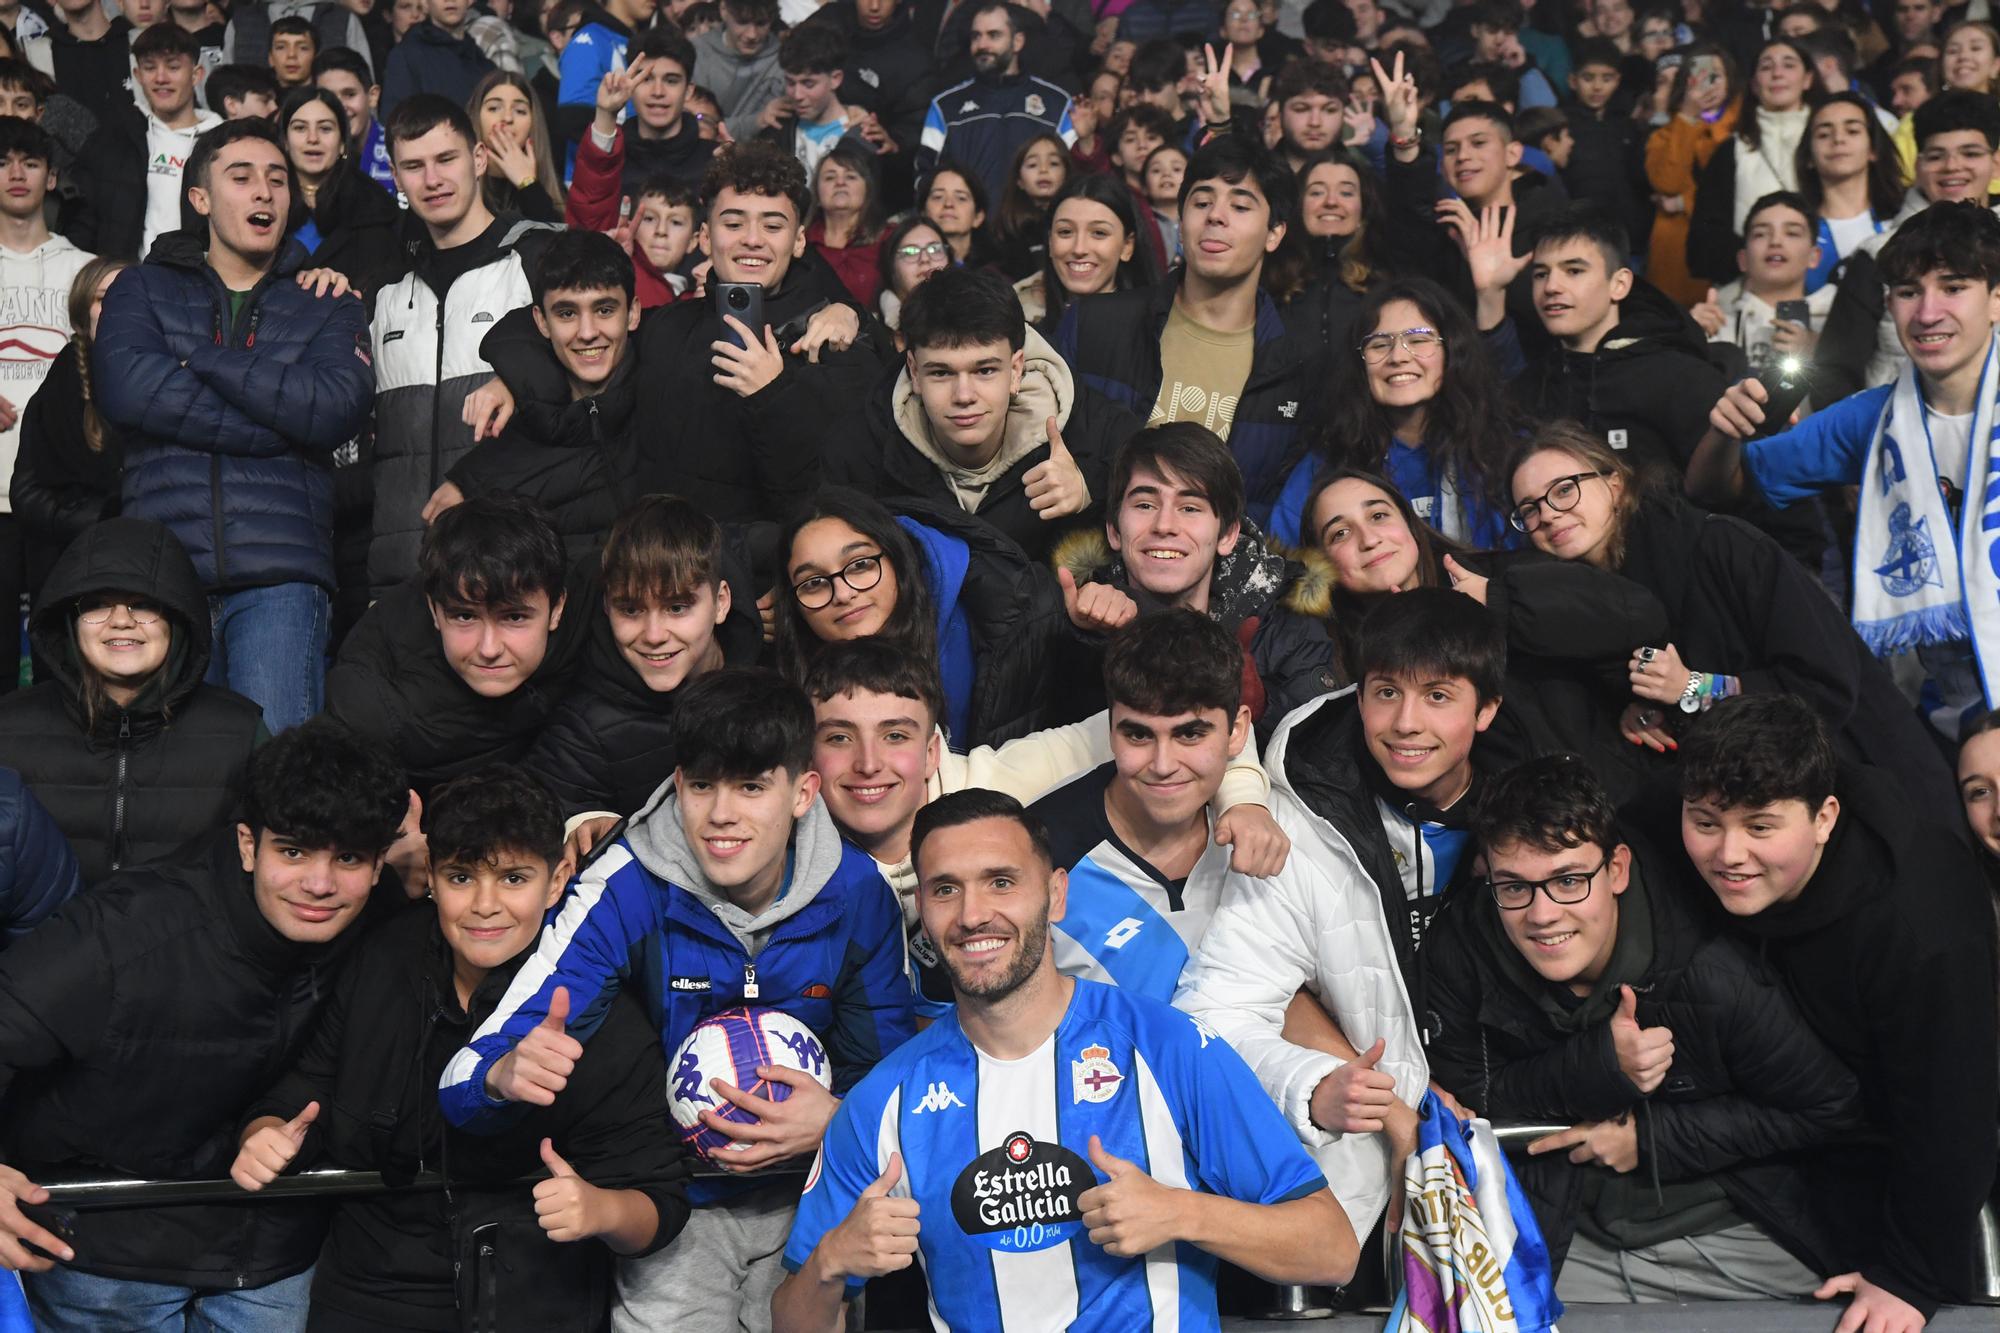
point(742, 85)
point(34, 326)
point(1047, 389)
point(828, 951)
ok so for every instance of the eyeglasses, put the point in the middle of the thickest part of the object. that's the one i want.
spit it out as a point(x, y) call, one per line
point(95, 611)
point(1421, 343)
point(1557, 499)
point(1514, 895)
point(859, 574)
point(935, 250)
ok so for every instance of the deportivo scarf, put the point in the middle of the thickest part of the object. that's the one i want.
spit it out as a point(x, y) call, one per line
point(1916, 580)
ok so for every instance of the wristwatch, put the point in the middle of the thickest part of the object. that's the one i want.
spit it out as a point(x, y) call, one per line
point(1691, 696)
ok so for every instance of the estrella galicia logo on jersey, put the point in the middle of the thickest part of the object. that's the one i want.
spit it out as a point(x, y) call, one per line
point(1022, 1195)
point(700, 984)
point(1094, 1078)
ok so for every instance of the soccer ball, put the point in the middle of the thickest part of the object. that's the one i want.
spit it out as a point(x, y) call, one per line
point(729, 1046)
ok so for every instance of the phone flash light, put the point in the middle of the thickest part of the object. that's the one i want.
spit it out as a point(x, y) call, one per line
point(1790, 366)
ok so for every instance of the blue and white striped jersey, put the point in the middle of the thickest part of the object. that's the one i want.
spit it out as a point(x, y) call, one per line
point(1126, 924)
point(996, 1152)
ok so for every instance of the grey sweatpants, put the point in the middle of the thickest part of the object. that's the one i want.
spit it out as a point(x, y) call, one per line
point(718, 1275)
point(1739, 1263)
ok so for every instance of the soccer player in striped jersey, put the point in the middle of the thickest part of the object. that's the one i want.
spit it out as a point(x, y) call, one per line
point(1145, 872)
point(1057, 1153)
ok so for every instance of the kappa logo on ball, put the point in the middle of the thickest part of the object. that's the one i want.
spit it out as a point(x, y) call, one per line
point(1094, 1078)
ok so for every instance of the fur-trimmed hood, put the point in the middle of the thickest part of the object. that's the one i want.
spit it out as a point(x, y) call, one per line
point(1259, 573)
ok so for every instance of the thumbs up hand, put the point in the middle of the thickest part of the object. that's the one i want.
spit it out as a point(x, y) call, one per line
point(1356, 1098)
point(1644, 1054)
point(1131, 1213)
point(539, 1066)
point(567, 1206)
point(1056, 488)
point(269, 1147)
point(1709, 314)
point(1095, 608)
point(879, 1234)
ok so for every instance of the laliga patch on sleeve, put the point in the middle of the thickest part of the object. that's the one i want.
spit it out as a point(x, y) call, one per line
point(1022, 1195)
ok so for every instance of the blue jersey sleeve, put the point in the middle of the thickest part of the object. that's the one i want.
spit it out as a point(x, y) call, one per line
point(1242, 1146)
point(590, 52)
point(846, 1165)
point(587, 948)
point(1827, 449)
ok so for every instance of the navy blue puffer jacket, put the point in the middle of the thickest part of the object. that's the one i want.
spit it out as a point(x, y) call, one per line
point(38, 871)
point(230, 427)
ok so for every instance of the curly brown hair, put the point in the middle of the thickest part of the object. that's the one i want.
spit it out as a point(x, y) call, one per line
point(758, 167)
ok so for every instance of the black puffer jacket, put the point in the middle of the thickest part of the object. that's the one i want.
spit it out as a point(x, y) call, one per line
point(393, 683)
point(134, 1028)
point(1750, 1089)
point(609, 744)
point(373, 1064)
point(574, 459)
point(139, 781)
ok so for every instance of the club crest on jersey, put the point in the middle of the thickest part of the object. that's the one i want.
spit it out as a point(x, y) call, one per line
point(1094, 1078)
point(1034, 104)
point(1022, 1195)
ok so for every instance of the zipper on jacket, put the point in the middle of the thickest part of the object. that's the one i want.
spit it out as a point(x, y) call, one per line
point(118, 792)
point(749, 981)
point(215, 515)
point(596, 425)
point(437, 384)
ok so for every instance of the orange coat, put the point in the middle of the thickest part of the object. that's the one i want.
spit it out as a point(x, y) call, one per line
point(1675, 155)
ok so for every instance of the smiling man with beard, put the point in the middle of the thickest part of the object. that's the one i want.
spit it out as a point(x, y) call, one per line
point(966, 1148)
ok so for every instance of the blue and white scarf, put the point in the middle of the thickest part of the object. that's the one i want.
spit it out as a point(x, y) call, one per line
point(1918, 582)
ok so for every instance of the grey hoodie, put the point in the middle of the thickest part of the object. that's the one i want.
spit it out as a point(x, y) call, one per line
point(743, 85)
point(656, 838)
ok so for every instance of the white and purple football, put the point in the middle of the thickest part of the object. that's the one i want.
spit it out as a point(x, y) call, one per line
point(730, 1046)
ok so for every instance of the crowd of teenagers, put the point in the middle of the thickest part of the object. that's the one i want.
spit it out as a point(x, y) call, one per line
point(1168, 593)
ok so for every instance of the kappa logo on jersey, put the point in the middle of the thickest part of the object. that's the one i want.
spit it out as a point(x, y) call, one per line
point(1208, 1034)
point(938, 1097)
point(1022, 1195)
point(1123, 933)
point(691, 984)
point(1094, 1078)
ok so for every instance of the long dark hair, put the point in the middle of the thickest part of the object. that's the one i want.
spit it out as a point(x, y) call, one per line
point(1020, 213)
point(1747, 128)
point(1350, 608)
point(1358, 254)
point(1469, 425)
point(296, 100)
point(912, 625)
point(1106, 189)
point(1885, 177)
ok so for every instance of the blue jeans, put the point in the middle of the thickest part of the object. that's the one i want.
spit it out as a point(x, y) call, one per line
point(270, 647)
point(64, 1300)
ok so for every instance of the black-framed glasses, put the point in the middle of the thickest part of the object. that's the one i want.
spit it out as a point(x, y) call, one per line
point(859, 574)
point(1557, 499)
point(935, 250)
point(1419, 342)
point(1514, 895)
point(97, 610)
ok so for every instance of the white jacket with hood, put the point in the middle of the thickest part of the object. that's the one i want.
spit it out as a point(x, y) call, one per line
point(1317, 924)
